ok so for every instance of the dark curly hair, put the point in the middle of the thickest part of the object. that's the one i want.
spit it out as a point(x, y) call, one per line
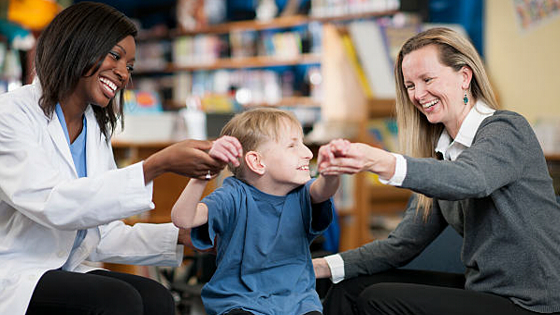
point(75, 42)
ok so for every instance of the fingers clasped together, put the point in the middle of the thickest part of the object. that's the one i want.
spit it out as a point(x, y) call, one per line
point(340, 156)
point(226, 149)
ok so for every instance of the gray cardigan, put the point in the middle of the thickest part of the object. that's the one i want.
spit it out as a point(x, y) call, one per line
point(499, 196)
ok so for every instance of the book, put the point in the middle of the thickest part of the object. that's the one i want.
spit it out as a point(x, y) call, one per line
point(373, 55)
point(351, 52)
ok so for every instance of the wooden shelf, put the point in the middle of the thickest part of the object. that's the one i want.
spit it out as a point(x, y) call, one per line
point(552, 157)
point(277, 23)
point(388, 200)
point(380, 107)
point(239, 63)
point(292, 101)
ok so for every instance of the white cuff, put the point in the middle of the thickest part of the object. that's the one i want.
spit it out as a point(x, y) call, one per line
point(400, 172)
point(336, 265)
point(150, 185)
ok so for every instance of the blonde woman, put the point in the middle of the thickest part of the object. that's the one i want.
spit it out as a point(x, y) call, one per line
point(474, 167)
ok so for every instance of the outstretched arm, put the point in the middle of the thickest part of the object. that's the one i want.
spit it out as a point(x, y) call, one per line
point(187, 158)
point(187, 211)
point(360, 157)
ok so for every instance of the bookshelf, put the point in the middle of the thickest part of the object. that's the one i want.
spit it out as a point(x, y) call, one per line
point(343, 84)
point(287, 46)
point(11, 70)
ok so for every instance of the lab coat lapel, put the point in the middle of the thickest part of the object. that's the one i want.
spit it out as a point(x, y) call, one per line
point(59, 139)
point(93, 143)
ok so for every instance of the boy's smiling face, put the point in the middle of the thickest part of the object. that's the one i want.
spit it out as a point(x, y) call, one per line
point(286, 160)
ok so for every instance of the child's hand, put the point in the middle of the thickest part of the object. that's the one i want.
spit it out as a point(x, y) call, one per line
point(227, 149)
point(329, 152)
point(339, 147)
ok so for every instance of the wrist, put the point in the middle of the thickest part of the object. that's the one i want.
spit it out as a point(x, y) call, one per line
point(381, 163)
point(153, 167)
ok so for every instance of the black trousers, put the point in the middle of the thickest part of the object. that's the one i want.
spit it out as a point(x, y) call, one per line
point(403, 292)
point(99, 292)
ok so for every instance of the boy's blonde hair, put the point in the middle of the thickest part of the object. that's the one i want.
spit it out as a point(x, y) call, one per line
point(255, 127)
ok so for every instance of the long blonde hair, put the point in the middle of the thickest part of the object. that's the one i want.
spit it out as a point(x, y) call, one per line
point(417, 136)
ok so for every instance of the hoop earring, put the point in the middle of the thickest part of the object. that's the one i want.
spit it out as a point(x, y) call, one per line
point(465, 99)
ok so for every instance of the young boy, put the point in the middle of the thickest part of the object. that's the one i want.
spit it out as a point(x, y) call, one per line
point(264, 217)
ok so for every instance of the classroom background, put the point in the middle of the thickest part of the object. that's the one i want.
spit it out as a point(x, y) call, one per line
point(329, 61)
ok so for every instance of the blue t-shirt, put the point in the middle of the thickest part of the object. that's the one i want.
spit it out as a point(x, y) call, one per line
point(263, 257)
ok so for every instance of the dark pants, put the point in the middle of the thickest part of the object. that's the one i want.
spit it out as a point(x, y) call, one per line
point(414, 292)
point(99, 292)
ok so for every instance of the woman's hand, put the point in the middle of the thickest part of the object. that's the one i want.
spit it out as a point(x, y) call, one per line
point(185, 238)
point(187, 158)
point(321, 268)
point(327, 153)
point(227, 149)
point(356, 158)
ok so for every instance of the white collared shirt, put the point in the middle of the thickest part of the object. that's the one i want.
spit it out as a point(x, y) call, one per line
point(448, 147)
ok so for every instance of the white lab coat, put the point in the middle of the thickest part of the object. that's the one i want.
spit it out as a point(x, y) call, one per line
point(43, 203)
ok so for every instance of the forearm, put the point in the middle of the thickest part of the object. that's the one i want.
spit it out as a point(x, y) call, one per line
point(379, 161)
point(153, 167)
point(186, 212)
point(324, 188)
point(321, 268)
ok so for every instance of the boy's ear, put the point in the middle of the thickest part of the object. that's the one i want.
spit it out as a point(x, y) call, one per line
point(254, 162)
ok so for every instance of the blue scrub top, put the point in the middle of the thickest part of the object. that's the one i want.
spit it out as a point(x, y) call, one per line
point(78, 150)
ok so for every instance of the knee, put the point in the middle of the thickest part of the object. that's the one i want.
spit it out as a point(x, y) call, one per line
point(376, 299)
point(158, 299)
point(120, 298)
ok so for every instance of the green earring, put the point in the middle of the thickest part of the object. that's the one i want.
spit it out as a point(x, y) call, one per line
point(465, 99)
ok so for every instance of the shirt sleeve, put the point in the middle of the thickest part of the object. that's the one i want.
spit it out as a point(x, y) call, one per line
point(140, 244)
point(221, 212)
point(336, 265)
point(502, 148)
point(400, 172)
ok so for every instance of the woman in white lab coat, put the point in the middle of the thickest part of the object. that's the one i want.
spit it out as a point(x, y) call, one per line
point(61, 195)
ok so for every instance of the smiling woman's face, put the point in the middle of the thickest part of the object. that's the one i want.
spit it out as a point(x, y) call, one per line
point(434, 88)
point(113, 75)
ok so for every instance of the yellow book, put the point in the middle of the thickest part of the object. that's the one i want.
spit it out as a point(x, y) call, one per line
point(351, 53)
